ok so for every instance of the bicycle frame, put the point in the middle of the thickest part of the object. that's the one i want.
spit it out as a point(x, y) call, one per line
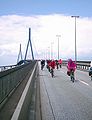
point(90, 73)
point(72, 75)
point(52, 72)
point(91, 77)
point(42, 66)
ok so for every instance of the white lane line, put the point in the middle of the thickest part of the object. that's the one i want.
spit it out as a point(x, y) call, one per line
point(79, 80)
point(84, 82)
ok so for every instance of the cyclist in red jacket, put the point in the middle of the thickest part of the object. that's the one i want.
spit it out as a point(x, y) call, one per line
point(52, 65)
point(60, 62)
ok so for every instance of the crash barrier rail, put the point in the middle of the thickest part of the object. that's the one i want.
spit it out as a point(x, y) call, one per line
point(3, 68)
point(10, 79)
point(7, 67)
point(21, 111)
point(81, 65)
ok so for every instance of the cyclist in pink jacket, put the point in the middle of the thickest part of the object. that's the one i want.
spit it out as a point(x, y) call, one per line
point(71, 65)
point(71, 69)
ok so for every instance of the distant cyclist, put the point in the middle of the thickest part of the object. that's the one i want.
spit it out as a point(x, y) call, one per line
point(57, 64)
point(71, 66)
point(90, 70)
point(42, 64)
point(48, 66)
point(52, 65)
point(60, 63)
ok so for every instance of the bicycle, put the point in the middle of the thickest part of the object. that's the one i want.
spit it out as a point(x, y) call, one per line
point(91, 77)
point(42, 66)
point(60, 65)
point(90, 72)
point(72, 75)
point(48, 67)
point(52, 72)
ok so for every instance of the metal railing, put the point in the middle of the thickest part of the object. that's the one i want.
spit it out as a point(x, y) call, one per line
point(11, 78)
point(81, 65)
point(3, 68)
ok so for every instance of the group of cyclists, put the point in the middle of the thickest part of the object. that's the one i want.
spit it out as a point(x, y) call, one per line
point(71, 67)
point(52, 64)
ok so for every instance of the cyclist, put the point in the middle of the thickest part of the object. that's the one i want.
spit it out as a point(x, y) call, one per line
point(60, 63)
point(90, 70)
point(57, 63)
point(52, 65)
point(71, 68)
point(42, 64)
point(48, 66)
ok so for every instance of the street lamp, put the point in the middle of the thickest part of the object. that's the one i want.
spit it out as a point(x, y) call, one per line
point(48, 53)
point(52, 50)
point(75, 38)
point(58, 44)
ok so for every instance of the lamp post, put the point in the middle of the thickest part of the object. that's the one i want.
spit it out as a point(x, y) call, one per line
point(75, 38)
point(48, 52)
point(51, 50)
point(58, 44)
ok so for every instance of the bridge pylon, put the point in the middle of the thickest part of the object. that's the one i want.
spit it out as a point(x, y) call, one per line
point(29, 42)
point(20, 55)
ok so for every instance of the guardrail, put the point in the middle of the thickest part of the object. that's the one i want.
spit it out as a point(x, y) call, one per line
point(3, 68)
point(11, 78)
point(7, 67)
point(81, 65)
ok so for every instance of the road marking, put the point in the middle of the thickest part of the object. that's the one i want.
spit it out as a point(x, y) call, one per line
point(84, 82)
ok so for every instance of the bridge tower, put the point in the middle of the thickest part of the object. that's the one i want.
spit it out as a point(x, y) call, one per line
point(20, 55)
point(29, 42)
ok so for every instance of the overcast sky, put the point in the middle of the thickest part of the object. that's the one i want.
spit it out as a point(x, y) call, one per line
point(47, 19)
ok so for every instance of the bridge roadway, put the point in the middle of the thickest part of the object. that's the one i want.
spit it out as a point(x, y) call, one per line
point(63, 100)
point(56, 98)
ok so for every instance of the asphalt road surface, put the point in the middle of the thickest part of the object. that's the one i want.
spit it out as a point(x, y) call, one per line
point(61, 99)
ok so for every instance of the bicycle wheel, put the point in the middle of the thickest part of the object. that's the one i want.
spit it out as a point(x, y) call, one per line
point(41, 67)
point(52, 72)
point(72, 76)
point(91, 77)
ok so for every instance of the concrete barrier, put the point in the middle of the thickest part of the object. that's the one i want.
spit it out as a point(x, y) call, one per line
point(11, 78)
point(21, 111)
